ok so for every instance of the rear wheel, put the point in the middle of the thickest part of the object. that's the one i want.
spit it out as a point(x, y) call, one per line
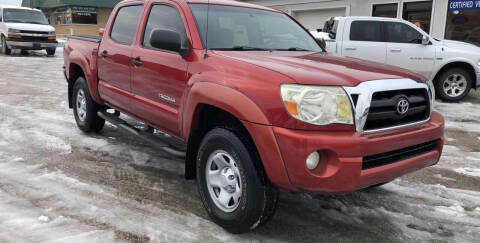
point(51, 52)
point(236, 195)
point(5, 49)
point(453, 84)
point(85, 109)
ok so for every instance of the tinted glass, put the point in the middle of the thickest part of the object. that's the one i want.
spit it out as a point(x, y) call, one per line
point(24, 16)
point(385, 10)
point(163, 17)
point(419, 13)
point(463, 25)
point(238, 28)
point(366, 31)
point(402, 33)
point(331, 27)
point(125, 25)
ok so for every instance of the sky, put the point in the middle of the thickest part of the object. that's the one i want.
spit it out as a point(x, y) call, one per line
point(11, 2)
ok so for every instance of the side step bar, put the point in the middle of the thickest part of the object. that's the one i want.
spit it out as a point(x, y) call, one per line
point(146, 136)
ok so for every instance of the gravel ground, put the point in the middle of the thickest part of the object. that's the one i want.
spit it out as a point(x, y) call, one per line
point(60, 185)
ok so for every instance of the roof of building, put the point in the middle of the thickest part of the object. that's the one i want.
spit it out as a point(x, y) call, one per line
point(58, 3)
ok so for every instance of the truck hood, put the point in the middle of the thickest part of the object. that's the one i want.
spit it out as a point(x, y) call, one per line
point(320, 68)
point(31, 27)
point(465, 47)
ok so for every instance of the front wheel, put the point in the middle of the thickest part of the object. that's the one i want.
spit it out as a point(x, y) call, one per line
point(85, 109)
point(453, 84)
point(5, 49)
point(235, 193)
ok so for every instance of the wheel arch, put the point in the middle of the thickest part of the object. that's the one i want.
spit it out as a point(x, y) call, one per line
point(458, 64)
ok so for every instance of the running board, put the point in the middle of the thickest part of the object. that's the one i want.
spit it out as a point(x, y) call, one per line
point(145, 135)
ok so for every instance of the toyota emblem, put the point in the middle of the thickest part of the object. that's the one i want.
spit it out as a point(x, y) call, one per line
point(402, 106)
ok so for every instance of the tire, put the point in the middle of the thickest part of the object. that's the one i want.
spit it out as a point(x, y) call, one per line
point(85, 109)
point(51, 52)
point(5, 49)
point(257, 198)
point(453, 84)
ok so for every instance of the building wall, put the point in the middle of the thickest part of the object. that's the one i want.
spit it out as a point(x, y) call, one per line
point(358, 8)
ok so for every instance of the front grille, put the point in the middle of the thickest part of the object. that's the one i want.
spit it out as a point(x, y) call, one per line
point(384, 112)
point(34, 32)
point(398, 155)
point(31, 38)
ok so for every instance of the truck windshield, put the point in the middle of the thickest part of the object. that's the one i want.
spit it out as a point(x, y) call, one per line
point(249, 29)
point(24, 16)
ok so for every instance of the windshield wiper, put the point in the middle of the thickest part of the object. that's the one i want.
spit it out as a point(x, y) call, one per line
point(13, 21)
point(241, 48)
point(293, 49)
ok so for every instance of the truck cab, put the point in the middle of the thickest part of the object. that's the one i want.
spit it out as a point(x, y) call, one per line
point(452, 66)
point(26, 29)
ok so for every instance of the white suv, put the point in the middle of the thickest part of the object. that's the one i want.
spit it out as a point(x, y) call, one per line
point(453, 66)
point(26, 29)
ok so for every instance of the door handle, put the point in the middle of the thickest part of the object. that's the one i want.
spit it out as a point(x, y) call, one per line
point(104, 54)
point(395, 50)
point(137, 62)
point(350, 48)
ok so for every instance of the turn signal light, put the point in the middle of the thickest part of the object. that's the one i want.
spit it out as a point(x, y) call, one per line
point(52, 37)
point(14, 36)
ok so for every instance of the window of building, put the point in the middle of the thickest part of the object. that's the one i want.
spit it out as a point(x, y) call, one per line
point(366, 31)
point(388, 10)
point(73, 15)
point(163, 17)
point(125, 25)
point(463, 23)
point(418, 13)
point(401, 33)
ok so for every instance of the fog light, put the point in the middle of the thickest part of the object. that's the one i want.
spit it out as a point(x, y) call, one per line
point(312, 160)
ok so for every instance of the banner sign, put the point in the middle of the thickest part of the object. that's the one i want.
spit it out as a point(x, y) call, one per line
point(463, 5)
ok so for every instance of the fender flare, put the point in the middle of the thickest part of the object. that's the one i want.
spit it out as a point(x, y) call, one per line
point(76, 58)
point(223, 97)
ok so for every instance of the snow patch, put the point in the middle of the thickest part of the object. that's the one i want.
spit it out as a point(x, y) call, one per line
point(439, 176)
point(44, 219)
point(454, 210)
point(469, 171)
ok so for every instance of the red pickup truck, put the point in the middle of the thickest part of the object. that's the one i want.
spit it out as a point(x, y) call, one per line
point(256, 102)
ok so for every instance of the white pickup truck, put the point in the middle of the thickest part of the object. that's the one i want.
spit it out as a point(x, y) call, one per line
point(26, 29)
point(452, 66)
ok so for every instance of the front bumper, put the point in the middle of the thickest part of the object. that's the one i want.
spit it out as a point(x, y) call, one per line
point(340, 170)
point(478, 80)
point(31, 44)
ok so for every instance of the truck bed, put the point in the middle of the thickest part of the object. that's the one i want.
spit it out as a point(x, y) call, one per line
point(90, 38)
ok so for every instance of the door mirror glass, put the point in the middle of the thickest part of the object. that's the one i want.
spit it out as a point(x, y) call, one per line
point(168, 40)
point(425, 40)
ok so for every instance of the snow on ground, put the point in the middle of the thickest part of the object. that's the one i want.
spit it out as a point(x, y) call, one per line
point(60, 185)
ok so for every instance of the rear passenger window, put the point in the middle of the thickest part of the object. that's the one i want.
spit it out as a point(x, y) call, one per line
point(366, 31)
point(164, 17)
point(402, 33)
point(125, 25)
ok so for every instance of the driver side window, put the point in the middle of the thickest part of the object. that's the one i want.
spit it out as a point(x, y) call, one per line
point(401, 33)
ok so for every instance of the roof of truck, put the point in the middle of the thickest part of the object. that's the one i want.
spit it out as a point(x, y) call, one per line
point(232, 3)
point(17, 7)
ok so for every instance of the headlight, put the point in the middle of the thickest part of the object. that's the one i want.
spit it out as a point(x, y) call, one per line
point(11, 31)
point(51, 33)
point(317, 105)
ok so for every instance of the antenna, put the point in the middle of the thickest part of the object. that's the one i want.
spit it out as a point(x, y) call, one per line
point(206, 34)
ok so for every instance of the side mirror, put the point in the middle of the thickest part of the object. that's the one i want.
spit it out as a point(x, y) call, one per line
point(321, 42)
point(167, 40)
point(425, 40)
point(101, 32)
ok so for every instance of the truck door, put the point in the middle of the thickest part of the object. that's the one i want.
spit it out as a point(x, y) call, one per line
point(159, 77)
point(364, 40)
point(114, 61)
point(405, 49)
